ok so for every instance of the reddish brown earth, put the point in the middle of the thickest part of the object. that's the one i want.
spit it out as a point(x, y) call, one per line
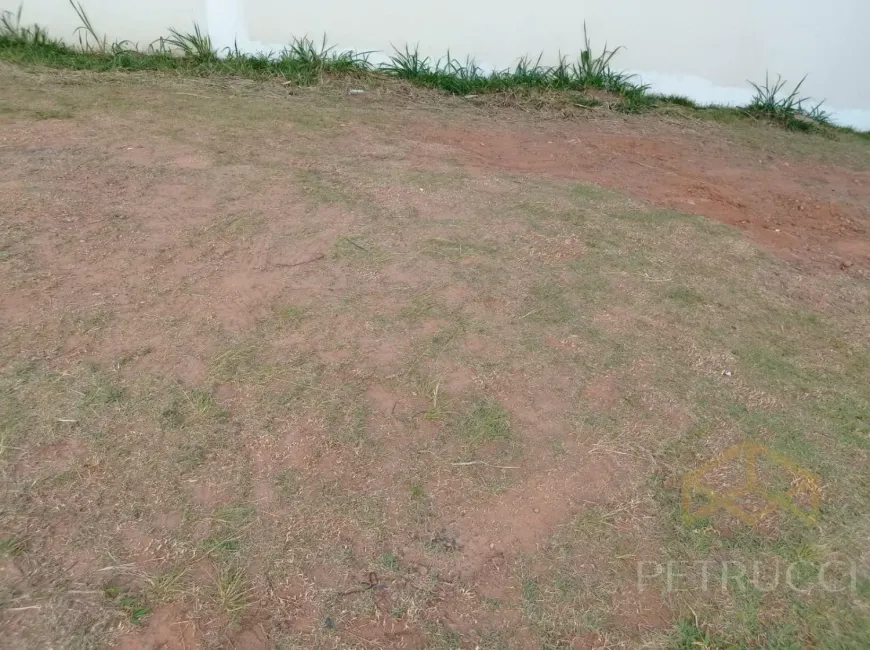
point(803, 210)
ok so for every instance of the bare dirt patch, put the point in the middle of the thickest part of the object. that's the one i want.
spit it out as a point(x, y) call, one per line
point(799, 208)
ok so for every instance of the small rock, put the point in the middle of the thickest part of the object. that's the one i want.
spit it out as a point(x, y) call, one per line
point(726, 373)
point(537, 510)
point(356, 91)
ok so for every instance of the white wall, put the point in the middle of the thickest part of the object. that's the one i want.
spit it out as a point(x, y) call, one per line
point(705, 49)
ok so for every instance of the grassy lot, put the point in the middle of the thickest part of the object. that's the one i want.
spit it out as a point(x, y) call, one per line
point(284, 372)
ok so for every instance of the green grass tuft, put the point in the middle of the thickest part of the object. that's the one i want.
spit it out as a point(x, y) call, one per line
point(679, 100)
point(485, 420)
point(233, 592)
point(13, 32)
point(685, 296)
point(195, 45)
point(467, 78)
point(11, 546)
point(636, 100)
point(772, 101)
point(592, 71)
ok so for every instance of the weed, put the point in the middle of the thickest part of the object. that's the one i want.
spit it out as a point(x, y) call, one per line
point(231, 522)
point(771, 100)
point(11, 546)
point(131, 357)
point(586, 102)
point(349, 247)
point(238, 359)
point(530, 74)
point(547, 304)
point(434, 412)
point(232, 590)
point(679, 100)
point(222, 545)
point(305, 62)
point(289, 316)
point(102, 391)
point(688, 636)
point(636, 100)
point(203, 404)
point(133, 605)
point(284, 641)
point(188, 407)
point(421, 305)
point(233, 515)
point(389, 561)
point(441, 637)
point(446, 248)
point(407, 64)
point(486, 419)
point(167, 586)
point(287, 483)
point(417, 492)
point(189, 455)
point(467, 78)
point(86, 31)
point(441, 341)
point(349, 427)
point(134, 608)
point(196, 45)
point(12, 31)
point(171, 418)
point(592, 71)
point(685, 296)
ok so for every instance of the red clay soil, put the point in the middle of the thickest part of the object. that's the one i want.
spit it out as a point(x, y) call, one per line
point(802, 210)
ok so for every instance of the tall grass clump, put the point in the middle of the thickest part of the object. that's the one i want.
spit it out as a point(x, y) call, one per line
point(589, 71)
point(32, 44)
point(305, 62)
point(89, 40)
point(12, 32)
point(302, 62)
point(194, 45)
point(447, 73)
point(773, 101)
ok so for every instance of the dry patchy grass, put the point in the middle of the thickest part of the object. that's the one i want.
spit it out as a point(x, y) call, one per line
point(284, 373)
